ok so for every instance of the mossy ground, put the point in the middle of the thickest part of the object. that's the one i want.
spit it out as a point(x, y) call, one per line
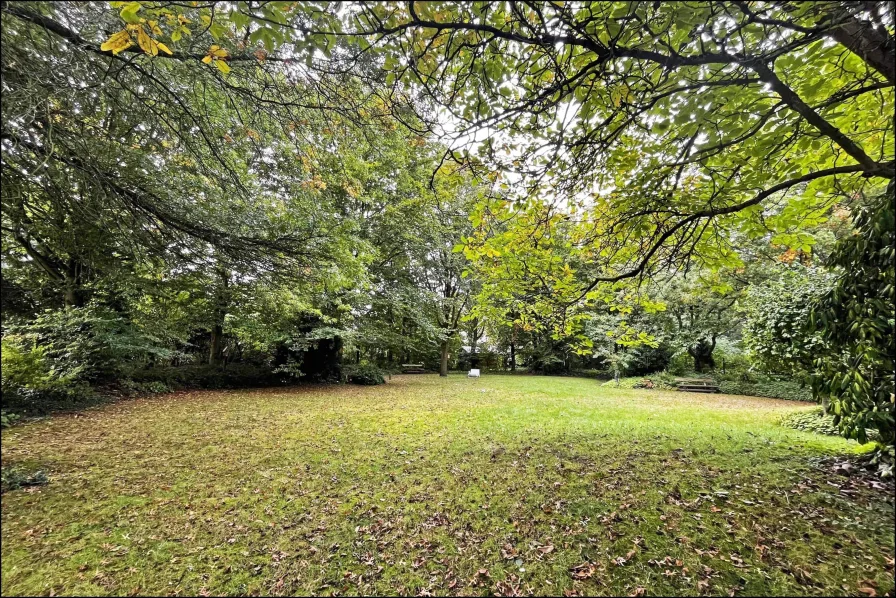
point(498, 485)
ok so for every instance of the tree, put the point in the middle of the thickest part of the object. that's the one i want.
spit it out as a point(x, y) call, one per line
point(776, 311)
point(856, 320)
point(132, 157)
point(595, 105)
point(699, 309)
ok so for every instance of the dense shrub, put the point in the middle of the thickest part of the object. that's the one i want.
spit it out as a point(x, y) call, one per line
point(32, 381)
point(856, 320)
point(92, 343)
point(644, 359)
point(12, 478)
point(51, 362)
point(811, 421)
point(593, 374)
point(236, 375)
point(8, 419)
point(659, 382)
point(775, 334)
point(364, 374)
point(772, 389)
point(152, 387)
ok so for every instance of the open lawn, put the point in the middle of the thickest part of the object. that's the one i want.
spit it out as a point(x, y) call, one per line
point(445, 486)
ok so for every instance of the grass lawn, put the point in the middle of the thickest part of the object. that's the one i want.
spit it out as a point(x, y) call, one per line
point(496, 485)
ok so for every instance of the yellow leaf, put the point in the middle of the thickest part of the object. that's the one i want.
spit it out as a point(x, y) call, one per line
point(164, 48)
point(218, 52)
point(222, 66)
point(117, 42)
point(154, 27)
point(206, 59)
point(147, 44)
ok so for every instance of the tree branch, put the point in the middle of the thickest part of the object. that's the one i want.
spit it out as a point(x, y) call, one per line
point(711, 213)
point(805, 110)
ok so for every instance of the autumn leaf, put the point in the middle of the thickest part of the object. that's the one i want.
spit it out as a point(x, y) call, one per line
point(583, 571)
point(118, 42)
point(147, 44)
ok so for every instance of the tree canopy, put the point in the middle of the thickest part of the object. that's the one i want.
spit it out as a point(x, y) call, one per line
point(585, 183)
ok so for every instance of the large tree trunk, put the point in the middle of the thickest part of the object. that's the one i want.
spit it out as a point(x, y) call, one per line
point(443, 364)
point(702, 354)
point(870, 43)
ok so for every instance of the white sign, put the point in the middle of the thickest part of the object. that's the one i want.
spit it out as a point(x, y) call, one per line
point(473, 374)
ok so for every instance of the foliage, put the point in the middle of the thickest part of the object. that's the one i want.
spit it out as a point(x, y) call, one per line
point(813, 420)
point(151, 387)
point(594, 374)
point(8, 419)
point(364, 374)
point(857, 323)
point(85, 343)
point(51, 360)
point(287, 186)
point(607, 169)
point(236, 375)
point(32, 381)
point(775, 333)
point(771, 388)
point(13, 478)
point(659, 382)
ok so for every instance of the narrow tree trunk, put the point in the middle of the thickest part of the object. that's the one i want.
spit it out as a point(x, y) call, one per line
point(443, 364)
point(71, 295)
point(74, 297)
point(221, 299)
point(512, 356)
point(214, 351)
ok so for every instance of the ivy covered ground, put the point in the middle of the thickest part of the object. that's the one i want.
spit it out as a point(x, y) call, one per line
point(500, 485)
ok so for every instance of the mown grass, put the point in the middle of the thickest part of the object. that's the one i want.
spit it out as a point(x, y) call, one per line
point(498, 485)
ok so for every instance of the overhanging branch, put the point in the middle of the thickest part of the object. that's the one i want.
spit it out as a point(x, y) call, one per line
point(712, 213)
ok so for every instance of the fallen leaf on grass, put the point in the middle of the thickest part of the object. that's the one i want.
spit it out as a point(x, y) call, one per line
point(583, 571)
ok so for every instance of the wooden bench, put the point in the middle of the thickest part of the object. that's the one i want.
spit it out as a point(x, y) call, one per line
point(412, 368)
point(697, 385)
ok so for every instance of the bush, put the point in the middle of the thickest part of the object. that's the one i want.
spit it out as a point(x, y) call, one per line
point(593, 374)
point(775, 334)
point(364, 374)
point(32, 381)
point(855, 320)
point(816, 421)
point(89, 343)
point(644, 359)
point(773, 389)
point(12, 478)
point(8, 419)
point(153, 387)
point(660, 382)
point(235, 375)
point(51, 362)
point(811, 421)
